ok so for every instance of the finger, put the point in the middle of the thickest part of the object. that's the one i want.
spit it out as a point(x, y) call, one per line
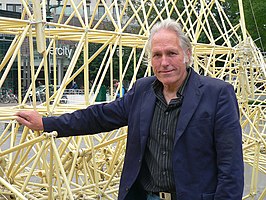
point(21, 114)
point(23, 121)
point(17, 113)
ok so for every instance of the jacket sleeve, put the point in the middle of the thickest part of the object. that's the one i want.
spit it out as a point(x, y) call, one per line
point(228, 142)
point(94, 119)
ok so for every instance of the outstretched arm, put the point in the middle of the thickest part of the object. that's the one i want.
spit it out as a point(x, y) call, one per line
point(31, 119)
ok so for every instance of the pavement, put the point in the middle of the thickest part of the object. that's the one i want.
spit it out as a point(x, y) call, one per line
point(8, 104)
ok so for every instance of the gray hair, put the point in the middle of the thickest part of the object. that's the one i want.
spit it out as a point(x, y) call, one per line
point(170, 24)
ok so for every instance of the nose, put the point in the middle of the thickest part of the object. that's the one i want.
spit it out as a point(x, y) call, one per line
point(164, 61)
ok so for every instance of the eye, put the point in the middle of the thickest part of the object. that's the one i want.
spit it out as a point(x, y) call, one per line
point(156, 55)
point(173, 53)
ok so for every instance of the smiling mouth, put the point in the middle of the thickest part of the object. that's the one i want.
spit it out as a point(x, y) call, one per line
point(166, 71)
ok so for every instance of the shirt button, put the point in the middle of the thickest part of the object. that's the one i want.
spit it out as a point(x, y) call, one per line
point(164, 152)
point(166, 113)
point(164, 133)
point(164, 172)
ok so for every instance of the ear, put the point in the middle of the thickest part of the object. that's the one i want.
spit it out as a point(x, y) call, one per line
point(187, 56)
point(189, 53)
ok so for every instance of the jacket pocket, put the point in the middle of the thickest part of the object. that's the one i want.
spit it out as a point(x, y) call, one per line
point(209, 196)
point(197, 122)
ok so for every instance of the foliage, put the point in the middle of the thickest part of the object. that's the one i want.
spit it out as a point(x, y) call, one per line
point(230, 7)
point(255, 17)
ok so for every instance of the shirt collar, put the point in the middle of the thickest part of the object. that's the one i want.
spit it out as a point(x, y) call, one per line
point(158, 86)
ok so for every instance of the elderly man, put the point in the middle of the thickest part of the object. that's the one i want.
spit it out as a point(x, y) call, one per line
point(184, 136)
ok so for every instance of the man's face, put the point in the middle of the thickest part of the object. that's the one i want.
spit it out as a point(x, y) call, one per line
point(168, 59)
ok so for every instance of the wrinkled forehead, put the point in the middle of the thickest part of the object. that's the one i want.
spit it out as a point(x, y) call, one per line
point(165, 37)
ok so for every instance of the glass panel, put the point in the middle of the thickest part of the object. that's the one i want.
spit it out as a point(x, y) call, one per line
point(68, 10)
point(88, 10)
point(18, 8)
point(101, 11)
point(10, 7)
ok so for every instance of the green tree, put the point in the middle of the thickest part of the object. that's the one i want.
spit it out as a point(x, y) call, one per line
point(255, 18)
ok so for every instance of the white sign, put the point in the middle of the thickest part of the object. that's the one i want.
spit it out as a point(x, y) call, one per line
point(62, 51)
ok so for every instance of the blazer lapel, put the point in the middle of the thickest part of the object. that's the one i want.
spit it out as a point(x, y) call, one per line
point(192, 96)
point(146, 113)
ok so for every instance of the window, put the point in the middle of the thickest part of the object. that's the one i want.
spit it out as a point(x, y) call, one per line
point(58, 10)
point(114, 12)
point(88, 10)
point(13, 7)
point(101, 11)
point(68, 10)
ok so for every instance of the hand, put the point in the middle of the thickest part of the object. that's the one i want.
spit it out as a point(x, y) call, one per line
point(31, 119)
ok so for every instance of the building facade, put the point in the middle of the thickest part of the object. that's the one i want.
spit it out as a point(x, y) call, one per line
point(64, 49)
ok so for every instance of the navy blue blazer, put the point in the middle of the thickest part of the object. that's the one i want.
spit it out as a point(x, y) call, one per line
point(207, 156)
